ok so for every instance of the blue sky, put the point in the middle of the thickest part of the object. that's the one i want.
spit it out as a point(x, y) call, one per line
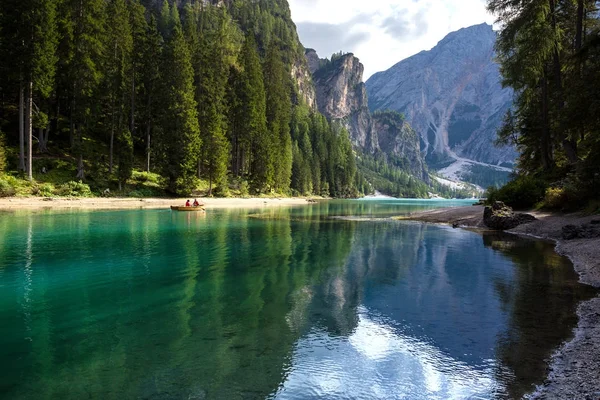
point(382, 32)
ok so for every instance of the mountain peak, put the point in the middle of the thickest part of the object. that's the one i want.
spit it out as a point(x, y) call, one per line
point(451, 95)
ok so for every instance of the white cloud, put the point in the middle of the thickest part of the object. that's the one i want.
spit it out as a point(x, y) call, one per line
point(382, 32)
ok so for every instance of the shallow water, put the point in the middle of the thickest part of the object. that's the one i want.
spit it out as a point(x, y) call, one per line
point(281, 304)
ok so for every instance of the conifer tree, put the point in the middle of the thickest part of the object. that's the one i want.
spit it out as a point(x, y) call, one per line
point(117, 69)
point(87, 20)
point(252, 133)
point(279, 107)
point(30, 40)
point(149, 106)
point(180, 137)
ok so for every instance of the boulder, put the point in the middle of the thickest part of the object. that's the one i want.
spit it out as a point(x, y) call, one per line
point(501, 217)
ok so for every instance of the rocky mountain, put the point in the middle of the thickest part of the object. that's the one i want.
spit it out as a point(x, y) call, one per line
point(342, 96)
point(452, 96)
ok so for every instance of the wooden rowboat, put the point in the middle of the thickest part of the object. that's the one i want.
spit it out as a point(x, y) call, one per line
point(183, 208)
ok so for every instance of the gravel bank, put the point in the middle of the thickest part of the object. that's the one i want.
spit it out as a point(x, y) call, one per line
point(574, 371)
point(100, 203)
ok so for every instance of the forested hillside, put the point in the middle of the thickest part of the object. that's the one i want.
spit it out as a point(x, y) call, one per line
point(549, 52)
point(199, 92)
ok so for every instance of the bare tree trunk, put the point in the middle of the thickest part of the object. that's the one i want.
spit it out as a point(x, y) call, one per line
point(21, 127)
point(210, 185)
point(29, 130)
point(43, 139)
point(148, 129)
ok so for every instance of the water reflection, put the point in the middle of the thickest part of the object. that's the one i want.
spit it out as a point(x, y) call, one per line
point(274, 303)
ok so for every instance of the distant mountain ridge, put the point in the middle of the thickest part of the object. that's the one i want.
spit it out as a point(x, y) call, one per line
point(452, 96)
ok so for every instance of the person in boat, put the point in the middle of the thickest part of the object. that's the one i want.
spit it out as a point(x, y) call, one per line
point(196, 204)
point(187, 204)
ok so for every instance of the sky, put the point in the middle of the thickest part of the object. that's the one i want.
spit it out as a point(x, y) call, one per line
point(382, 32)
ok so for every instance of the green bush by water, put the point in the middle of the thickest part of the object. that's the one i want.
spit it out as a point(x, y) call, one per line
point(523, 192)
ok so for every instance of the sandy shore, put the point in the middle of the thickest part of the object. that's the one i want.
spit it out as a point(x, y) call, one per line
point(574, 371)
point(110, 203)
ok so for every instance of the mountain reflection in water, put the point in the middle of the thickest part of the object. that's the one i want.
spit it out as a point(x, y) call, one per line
point(278, 303)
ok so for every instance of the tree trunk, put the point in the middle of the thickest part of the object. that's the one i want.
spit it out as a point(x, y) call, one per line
point(29, 130)
point(132, 116)
point(545, 153)
point(21, 127)
point(148, 129)
point(579, 26)
point(210, 186)
point(111, 145)
point(80, 166)
point(43, 139)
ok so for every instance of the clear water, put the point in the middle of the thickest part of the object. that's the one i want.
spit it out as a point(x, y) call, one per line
point(275, 303)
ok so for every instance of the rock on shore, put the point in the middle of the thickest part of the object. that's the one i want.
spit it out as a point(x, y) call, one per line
point(501, 217)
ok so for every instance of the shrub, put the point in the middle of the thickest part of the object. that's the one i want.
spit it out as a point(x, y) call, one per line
point(556, 198)
point(74, 189)
point(6, 189)
point(521, 193)
point(46, 190)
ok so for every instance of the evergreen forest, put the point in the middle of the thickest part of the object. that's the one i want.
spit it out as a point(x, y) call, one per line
point(183, 96)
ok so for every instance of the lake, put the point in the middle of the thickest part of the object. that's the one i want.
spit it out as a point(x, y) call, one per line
point(275, 304)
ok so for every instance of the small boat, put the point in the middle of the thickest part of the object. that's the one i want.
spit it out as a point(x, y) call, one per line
point(183, 208)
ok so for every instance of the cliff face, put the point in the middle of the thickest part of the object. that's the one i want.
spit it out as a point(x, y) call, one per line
point(342, 96)
point(399, 140)
point(301, 74)
point(451, 95)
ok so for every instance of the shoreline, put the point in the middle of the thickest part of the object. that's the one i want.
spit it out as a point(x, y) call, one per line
point(573, 369)
point(126, 203)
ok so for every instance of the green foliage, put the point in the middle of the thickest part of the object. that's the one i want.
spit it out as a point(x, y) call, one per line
point(74, 189)
point(179, 142)
point(6, 189)
point(549, 52)
point(119, 84)
point(522, 193)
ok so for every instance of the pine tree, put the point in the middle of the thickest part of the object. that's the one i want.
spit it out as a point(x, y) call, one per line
point(279, 107)
point(30, 40)
point(117, 69)
point(252, 133)
point(139, 29)
point(180, 137)
point(87, 20)
point(149, 106)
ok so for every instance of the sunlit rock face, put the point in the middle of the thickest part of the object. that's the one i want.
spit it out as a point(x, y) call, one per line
point(451, 95)
point(342, 96)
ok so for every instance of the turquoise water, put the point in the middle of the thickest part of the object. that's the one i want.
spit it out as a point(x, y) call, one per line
point(275, 303)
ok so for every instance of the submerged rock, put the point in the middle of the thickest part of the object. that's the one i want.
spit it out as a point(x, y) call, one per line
point(501, 217)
